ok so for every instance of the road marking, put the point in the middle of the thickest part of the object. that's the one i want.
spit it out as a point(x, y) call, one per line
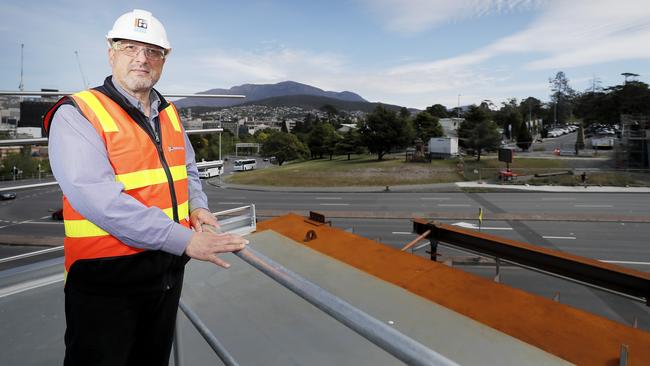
point(454, 205)
point(230, 203)
point(625, 262)
point(43, 223)
point(560, 237)
point(558, 199)
point(435, 198)
point(335, 204)
point(468, 225)
point(594, 206)
point(30, 285)
point(402, 233)
point(328, 198)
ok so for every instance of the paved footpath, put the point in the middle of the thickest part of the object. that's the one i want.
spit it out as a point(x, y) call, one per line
point(440, 187)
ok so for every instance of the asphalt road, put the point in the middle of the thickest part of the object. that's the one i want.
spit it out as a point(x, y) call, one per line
point(385, 217)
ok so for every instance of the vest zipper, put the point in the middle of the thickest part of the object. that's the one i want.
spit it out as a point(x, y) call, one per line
point(168, 173)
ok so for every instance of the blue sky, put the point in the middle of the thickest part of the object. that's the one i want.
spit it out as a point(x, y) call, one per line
point(414, 53)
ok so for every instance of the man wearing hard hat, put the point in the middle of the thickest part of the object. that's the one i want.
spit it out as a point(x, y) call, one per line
point(133, 205)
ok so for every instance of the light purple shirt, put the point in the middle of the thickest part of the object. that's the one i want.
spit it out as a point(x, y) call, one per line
point(79, 161)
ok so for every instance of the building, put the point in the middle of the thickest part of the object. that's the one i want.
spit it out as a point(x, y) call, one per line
point(450, 125)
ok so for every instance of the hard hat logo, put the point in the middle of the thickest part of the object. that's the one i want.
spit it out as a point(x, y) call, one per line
point(141, 23)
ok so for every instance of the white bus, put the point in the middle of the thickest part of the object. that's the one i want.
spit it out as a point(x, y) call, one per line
point(245, 164)
point(209, 169)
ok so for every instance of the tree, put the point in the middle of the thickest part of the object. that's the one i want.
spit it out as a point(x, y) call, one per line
point(383, 130)
point(562, 97)
point(350, 144)
point(509, 118)
point(427, 126)
point(285, 147)
point(524, 138)
point(478, 132)
point(580, 139)
point(322, 139)
point(438, 110)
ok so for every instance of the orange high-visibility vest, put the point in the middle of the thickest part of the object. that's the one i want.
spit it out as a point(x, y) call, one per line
point(155, 176)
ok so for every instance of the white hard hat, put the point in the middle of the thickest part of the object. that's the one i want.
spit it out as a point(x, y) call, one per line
point(139, 25)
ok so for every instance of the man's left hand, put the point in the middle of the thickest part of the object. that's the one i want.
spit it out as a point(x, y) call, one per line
point(202, 216)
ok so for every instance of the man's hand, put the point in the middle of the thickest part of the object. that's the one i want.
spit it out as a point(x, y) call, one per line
point(202, 216)
point(206, 245)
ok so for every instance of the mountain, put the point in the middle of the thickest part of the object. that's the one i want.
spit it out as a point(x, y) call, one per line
point(316, 102)
point(255, 92)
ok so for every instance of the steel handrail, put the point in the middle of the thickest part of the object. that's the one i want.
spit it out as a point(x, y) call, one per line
point(388, 338)
point(209, 337)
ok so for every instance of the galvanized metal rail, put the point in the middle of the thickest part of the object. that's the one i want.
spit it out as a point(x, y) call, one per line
point(168, 95)
point(386, 337)
point(609, 277)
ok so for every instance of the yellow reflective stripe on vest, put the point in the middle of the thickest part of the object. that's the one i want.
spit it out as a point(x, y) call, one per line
point(105, 119)
point(172, 117)
point(82, 229)
point(183, 211)
point(85, 228)
point(150, 177)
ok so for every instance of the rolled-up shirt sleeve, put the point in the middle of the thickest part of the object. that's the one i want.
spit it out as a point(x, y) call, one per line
point(80, 164)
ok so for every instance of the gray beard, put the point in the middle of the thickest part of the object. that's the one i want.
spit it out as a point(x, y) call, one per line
point(139, 85)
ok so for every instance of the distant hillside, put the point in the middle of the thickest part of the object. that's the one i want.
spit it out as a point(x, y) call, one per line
point(316, 102)
point(255, 92)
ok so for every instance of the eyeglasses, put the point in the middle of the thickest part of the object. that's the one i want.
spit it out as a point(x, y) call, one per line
point(132, 50)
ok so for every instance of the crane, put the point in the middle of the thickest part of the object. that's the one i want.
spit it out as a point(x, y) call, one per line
point(83, 76)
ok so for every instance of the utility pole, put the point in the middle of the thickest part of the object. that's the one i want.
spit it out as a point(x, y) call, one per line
point(458, 105)
point(21, 86)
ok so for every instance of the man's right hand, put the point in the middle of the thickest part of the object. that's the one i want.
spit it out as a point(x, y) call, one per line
point(206, 245)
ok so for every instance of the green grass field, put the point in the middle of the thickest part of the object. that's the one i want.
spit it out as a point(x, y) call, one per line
point(366, 170)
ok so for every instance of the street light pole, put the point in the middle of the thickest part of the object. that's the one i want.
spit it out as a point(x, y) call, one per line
point(458, 105)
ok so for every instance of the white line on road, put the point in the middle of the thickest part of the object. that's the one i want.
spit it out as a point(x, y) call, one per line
point(594, 206)
point(42, 223)
point(468, 225)
point(230, 203)
point(435, 198)
point(401, 233)
point(454, 205)
point(558, 199)
point(335, 204)
point(625, 262)
point(328, 198)
point(29, 285)
point(560, 237)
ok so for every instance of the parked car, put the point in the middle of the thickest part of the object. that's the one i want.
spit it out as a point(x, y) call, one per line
point(7, 196)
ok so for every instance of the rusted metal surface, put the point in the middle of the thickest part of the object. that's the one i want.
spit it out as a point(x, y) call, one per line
point(569, 333)
point(609, 276)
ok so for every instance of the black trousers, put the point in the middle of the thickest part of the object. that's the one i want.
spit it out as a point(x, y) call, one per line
point(122, 329)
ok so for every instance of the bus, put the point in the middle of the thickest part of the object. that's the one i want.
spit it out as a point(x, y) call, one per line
point(245, 164)
point(209, 169)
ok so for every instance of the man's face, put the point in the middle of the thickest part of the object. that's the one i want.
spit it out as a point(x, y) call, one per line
point(136, 73)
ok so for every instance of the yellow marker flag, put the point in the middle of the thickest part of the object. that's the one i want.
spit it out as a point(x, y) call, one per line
point(480, 216)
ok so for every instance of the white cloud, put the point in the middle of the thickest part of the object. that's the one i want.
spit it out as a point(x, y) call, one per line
point(412, 16)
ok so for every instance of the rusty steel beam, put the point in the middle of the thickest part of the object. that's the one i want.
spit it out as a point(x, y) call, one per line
point(589, 271)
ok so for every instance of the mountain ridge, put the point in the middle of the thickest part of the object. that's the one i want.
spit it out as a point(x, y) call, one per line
point(255, 92)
